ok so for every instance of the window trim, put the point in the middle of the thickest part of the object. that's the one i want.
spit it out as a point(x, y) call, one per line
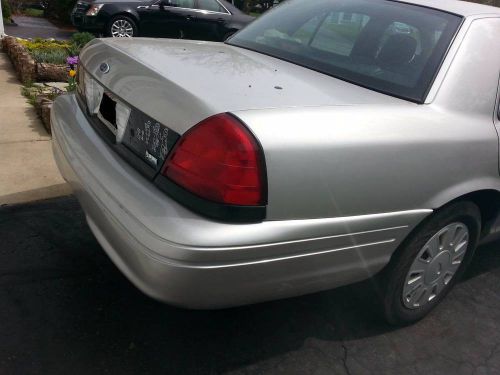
point(196, 9)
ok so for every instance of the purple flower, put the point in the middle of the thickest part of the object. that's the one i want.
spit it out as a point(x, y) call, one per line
point(72, 60)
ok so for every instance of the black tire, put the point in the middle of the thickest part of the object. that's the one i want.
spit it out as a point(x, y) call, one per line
point(135, 31)
point(393, 278)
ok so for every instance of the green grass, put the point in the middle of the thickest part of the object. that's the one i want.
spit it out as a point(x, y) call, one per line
point(32, 12)
point(29, 93)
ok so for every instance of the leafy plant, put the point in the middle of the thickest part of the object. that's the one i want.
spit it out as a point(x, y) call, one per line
point(33, 91)
point(55, 51)
point(60, 10)
point(15, 5)
point(81, 39)
point(73, 50)
point(51, 56)
point(30, 93)
point(32, 12)
point(39, 43)
point(48, 50)
point(72, 62)
point(6, 11)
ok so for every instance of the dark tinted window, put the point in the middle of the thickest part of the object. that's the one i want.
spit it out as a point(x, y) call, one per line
point(387, 46)
point(182, 3)
point(211, 5)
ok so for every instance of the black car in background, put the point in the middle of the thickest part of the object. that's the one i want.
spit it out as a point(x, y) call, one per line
point(191, 19)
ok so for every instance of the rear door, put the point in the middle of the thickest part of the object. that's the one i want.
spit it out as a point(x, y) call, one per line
point(212, 20)
point(183, 14)
point(156, 20)
point(168, 18)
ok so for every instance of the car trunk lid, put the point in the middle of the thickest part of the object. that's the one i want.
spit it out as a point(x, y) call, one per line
point(179, 83)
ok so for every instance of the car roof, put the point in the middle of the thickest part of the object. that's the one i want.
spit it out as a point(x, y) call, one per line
point(462, 8)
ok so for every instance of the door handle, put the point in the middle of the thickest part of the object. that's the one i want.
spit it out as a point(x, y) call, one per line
point(189, 18)
point(220, 20)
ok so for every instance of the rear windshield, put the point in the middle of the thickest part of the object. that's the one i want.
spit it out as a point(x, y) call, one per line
point(387, 46)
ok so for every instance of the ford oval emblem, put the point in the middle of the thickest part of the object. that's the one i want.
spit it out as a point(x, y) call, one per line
point(104, 68)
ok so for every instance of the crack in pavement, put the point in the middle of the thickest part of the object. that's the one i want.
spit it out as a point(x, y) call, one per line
point(344, 359)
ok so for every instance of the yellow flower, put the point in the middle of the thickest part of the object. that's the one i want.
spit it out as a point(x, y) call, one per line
point(72, 73)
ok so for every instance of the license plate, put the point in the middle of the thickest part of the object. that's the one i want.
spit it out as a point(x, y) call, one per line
point(149, 139)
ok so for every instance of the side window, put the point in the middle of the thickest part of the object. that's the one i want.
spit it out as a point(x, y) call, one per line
point(211, 5)
point(338, 32)
point(189, 4)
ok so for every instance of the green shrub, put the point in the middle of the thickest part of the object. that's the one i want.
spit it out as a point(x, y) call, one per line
point(81, 39)
point(47, 51)
point(39, 43)
point(60, 10)
point(6, 11)
point(31, 12)
point(73, 50)
point(56, 51)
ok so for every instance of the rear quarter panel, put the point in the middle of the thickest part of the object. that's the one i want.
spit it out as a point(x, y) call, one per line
point(363, 159)
point(355, 160)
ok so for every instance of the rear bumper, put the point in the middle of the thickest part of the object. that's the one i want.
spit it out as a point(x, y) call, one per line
point(183, 259)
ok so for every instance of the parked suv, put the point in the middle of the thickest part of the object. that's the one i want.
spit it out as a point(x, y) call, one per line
point(191, 19)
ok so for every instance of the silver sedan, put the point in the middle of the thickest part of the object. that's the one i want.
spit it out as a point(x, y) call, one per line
point(329, 142)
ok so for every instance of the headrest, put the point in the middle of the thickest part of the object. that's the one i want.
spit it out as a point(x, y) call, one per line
point(399, 49)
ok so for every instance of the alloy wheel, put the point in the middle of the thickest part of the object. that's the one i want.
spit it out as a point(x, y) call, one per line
point(435, 265)
point(122, 29)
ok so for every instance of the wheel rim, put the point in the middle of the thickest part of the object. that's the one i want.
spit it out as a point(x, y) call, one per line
point(122, 29)
point(435, 265)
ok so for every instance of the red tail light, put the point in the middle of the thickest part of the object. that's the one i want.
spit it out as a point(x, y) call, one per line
point(219, 160)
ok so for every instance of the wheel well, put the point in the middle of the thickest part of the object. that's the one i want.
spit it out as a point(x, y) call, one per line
point(488, 202)
point(128, 15)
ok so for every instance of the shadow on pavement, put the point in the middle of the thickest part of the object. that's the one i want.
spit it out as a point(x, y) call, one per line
point(66, 308)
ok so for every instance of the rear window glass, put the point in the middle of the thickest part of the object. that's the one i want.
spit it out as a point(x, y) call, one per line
point(387, 46)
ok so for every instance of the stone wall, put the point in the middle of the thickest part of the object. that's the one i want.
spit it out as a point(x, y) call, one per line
point(23, 62)
point(28, 69)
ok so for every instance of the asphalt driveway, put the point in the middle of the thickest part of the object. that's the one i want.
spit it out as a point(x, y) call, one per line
point(64, 308)
point(36, 27)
